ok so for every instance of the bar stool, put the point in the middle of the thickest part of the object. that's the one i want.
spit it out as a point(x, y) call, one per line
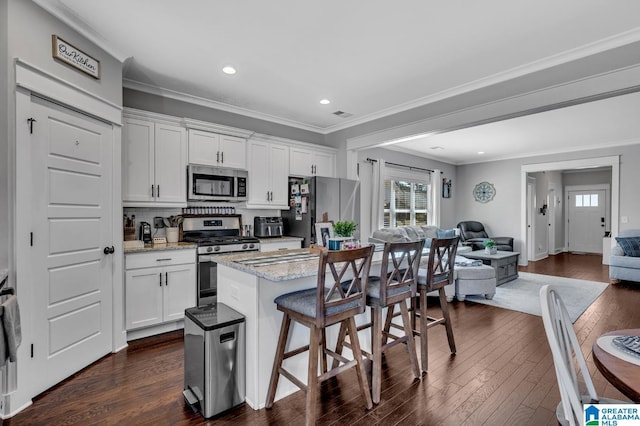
point(321, 307)
point(394, 286)
point(439, 273)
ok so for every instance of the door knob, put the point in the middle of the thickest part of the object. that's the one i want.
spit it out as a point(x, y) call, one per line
point(109, 250)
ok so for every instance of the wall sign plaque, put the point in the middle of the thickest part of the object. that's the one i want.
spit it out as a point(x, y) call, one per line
point(73, 56)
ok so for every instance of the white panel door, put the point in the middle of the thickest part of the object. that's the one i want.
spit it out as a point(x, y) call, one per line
point(137, 160)
point(279, 162)
point(170, 164)
point(179, 290)
point(143, 297)
point(324, 164)
point(72, 195)
point(300, 162)
point(204, 148)
point(259, 169)
point(233, 152)
point(586, 220)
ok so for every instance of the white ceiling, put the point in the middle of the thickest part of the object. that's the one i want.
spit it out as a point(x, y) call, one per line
point(371, 58)
point(599, 124)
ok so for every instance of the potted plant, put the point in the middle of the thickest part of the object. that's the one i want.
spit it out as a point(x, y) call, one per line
point(344, 229)
point(490, 247)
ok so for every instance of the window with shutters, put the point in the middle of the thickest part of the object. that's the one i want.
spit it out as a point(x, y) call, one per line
point(406, 200)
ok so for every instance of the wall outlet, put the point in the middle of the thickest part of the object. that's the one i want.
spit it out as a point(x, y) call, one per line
point(158, 222)
point(624, 219)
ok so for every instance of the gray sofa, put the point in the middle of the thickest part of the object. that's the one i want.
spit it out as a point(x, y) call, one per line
point(413, 233)
point(622, 266)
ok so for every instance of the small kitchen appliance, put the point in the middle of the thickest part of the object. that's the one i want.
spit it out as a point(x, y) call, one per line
point(145, 232)
point(265, 227)
point(214, 358)
point(214, 235)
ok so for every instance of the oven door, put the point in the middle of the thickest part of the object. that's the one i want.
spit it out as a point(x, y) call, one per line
point(207, 280)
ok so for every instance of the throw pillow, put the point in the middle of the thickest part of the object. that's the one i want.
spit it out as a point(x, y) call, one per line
point(630, 245)
point(446, 233)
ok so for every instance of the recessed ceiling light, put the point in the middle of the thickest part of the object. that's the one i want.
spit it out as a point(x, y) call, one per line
point(325, 101)
point(480, 152)
point(229, 70)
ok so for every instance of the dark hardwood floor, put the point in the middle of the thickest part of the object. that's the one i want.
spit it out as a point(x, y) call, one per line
point(502, 374)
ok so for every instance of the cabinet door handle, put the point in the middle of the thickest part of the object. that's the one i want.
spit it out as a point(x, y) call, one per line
point(166, 278)
point(222, 157)
point(163, 259)
point(160, 279)
point(271, 195)
point(158, 191)
point(153, 191)
point(267, 195)
point(217, 156)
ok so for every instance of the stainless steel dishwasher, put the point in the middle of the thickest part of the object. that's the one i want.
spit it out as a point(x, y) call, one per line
point(214, 358)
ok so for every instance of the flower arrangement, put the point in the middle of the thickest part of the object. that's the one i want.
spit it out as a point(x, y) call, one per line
point(490, 247)
point(344, 228)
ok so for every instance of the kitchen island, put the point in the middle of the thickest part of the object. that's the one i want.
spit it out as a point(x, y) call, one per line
point(249, 282)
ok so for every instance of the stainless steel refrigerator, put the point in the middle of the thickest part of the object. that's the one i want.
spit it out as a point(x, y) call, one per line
point(339, 198)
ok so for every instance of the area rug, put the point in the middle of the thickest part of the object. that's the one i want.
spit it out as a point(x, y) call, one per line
point(523, 294)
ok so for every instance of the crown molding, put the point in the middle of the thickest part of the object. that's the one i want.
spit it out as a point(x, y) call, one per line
point(69, 17)
point(190, 123)
point(600, 46)
point(208, 103)
point(293, 143)
point(66, 15)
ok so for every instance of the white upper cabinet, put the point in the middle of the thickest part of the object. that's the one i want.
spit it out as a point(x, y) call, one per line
point(212, 149)
point(268, 165)
point(154, 161)
point(310, 162)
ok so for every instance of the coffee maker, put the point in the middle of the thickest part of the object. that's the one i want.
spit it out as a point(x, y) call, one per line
point(145, 232)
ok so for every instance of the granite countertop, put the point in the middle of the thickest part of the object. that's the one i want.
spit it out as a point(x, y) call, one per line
point(276, 239)
point(159, 247)
point(275, 272)
point(305, 265)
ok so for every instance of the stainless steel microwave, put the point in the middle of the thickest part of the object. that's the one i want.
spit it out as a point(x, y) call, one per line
point(206, 183)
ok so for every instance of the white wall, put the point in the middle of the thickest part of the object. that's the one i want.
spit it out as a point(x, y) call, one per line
point(26, 32)
point(502, 215)
point(4, 136)
point(447, 205)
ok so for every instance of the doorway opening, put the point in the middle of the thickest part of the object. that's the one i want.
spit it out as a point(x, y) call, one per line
point(541, 209)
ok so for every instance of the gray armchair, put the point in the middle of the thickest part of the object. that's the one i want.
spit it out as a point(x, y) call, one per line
point(473, 234)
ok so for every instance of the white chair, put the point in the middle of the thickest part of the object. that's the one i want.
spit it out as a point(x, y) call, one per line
point(564, 347)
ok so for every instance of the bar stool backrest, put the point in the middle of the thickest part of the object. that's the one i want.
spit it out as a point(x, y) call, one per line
point(442, 257)
point(399, 271)
point(342, 294)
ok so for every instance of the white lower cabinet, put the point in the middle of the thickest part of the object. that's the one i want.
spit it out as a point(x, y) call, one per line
point(159, 294)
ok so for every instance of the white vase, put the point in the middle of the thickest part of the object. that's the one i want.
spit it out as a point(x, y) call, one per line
point(172, 234)
point(491, 250)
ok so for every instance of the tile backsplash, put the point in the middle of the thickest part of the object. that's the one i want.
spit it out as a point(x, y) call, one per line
point(146, 214)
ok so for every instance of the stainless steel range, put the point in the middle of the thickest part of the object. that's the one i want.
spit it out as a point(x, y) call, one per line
point(214, 235)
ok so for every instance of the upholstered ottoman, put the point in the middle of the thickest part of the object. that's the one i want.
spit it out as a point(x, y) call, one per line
point(475, 280)
point(449, 291)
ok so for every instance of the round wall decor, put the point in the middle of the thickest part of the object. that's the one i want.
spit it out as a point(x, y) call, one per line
point(484, 192)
